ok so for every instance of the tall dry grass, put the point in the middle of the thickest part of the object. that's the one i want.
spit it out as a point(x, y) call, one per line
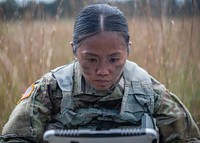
point(167, 48)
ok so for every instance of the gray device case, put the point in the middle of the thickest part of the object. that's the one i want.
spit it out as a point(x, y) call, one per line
point(146, 135)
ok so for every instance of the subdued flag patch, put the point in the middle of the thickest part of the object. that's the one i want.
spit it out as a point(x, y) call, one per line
point(27, 93)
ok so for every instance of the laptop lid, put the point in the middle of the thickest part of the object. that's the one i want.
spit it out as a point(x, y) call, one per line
point(102, 136)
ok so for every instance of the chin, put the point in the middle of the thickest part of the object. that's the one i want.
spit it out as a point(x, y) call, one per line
point(102, 88)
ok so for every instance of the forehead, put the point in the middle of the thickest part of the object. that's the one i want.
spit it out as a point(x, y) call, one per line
point(104, 41)
point(106, 35)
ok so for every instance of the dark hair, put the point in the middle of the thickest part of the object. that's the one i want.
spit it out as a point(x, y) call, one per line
point(96, 18)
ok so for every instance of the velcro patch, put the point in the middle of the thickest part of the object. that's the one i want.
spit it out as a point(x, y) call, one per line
point(27, 93)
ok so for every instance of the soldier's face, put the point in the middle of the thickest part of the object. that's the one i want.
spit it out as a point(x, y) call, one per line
point(102, 58)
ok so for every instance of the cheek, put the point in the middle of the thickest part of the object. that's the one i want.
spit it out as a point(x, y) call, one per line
point(86, 68)
point(118, 70)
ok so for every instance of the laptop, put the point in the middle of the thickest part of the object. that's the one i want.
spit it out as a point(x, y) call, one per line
point(143, 135)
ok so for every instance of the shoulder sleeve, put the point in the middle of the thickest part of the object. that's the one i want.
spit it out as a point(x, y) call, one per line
point(173, 119)
point(30, 116)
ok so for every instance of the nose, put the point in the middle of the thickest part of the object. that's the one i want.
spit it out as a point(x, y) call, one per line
point(103, 69)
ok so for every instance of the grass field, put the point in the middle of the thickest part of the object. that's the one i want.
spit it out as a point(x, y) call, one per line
point(167, 48)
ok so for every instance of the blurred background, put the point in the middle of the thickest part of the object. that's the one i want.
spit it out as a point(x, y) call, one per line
point(35, 37)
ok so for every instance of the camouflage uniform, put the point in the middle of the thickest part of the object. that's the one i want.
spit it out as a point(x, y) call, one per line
point(55, 104)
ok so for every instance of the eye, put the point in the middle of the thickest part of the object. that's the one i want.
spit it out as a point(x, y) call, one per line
point(114, 60)
point(92, 60)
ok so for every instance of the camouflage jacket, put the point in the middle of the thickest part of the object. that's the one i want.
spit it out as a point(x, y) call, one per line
point(39, 106)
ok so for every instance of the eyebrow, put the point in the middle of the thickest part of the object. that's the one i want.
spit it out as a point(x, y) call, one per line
point(115, 54)
point(90, 54)
point(95, 55)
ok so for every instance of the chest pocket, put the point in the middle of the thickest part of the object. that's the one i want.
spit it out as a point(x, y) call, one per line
point(138, 99)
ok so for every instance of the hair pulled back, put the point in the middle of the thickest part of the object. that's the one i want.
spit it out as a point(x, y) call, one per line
point(97, 18)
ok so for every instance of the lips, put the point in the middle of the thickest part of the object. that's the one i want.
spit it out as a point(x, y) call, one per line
point(102, 82)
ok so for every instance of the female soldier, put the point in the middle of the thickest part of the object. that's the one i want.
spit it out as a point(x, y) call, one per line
point(101, 89)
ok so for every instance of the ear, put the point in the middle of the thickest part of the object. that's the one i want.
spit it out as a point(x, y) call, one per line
point(129, 47)
point(72, 45)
